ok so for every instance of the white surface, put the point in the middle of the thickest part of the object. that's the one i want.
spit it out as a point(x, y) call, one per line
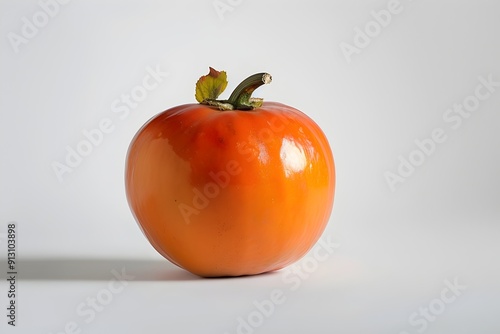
point(397, 248)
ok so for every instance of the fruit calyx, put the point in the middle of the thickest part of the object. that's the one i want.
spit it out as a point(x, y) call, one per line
point(210, 86)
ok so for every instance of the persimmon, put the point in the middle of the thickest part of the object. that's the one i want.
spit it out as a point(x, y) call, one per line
point(231, 187)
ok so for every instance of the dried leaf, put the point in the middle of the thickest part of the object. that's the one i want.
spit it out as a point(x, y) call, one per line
point(210, 86)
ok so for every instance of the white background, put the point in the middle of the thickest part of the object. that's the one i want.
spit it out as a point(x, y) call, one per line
point(396, 248)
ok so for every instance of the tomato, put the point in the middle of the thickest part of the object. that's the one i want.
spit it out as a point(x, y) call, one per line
point(231, 192)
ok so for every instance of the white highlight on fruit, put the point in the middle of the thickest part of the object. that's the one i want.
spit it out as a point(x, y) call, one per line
point(292, 156)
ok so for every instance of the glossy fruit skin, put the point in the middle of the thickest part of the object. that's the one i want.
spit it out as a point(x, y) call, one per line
point(231, 193)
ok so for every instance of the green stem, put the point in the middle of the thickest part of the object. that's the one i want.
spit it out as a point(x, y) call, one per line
point(241, 98)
